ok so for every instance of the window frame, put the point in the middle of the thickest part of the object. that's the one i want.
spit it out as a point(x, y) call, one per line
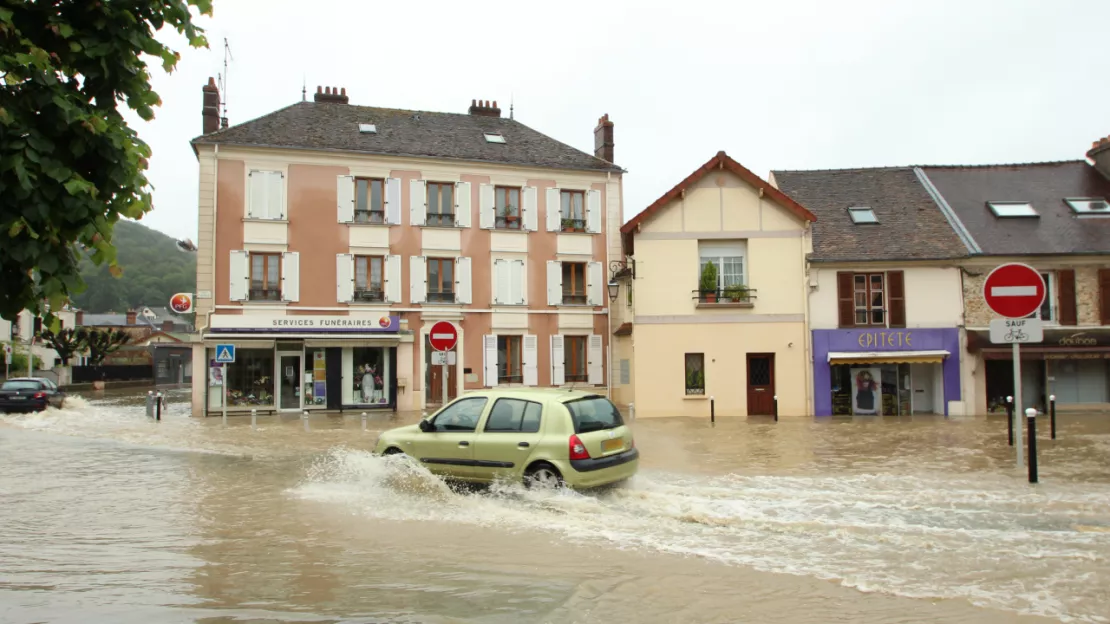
point(373, 217)
point(440, 295)
point(454, 404)
point(369, 261)
point(438, 218)
point(505, 369)
point(1086, 210)
point(688, 382)
point(520, 423)
point(998, 209)
point(266, 289)
point(1049, 302)
point(870, 217)
point(581, 350)
point(869, 308)
point(511, 220)
point(567, 221)
point(572, 297)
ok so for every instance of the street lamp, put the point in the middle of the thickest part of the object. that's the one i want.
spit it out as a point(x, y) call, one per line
point(614, 290)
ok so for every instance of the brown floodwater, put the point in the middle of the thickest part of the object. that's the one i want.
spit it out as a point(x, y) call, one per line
point(107, 516)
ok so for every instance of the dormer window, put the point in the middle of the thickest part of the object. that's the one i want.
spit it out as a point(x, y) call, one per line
point(862, 215)
point(1007, 210)
point(494, 137)
point(1089, 206)
point(368, 128)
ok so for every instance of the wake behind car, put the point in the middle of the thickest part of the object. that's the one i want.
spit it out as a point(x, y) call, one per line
point(30, 394)
point(546, 437)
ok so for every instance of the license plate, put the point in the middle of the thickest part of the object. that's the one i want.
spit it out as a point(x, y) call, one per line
point(612, 445)
point(18, 398)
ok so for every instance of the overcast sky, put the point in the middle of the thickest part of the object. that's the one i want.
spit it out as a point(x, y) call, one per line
point(778, 85)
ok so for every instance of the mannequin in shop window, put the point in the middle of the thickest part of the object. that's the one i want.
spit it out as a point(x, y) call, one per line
point(371, 386)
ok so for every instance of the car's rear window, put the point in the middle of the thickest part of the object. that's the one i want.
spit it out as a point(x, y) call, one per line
point(594, 414)
point(20, 385)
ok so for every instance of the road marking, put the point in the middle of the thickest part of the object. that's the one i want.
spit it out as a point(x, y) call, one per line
point(1013, 291)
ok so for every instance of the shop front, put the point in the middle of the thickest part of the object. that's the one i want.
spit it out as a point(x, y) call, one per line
point(294, 363)
point(888, 372)
point(1072, 365)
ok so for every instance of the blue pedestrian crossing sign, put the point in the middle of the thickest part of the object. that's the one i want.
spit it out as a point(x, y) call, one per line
point(225, 353)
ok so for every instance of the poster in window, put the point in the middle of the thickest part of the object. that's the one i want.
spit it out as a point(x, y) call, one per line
point(866, 391)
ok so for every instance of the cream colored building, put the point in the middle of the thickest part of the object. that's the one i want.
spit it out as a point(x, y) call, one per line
point(743, 342)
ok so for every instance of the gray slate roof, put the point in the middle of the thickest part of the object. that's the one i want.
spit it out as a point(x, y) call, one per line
point(1045, 185)
point(334, 127)
point(911, 226)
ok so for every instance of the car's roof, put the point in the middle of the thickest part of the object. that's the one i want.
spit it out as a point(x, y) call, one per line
point(561, 395)
point(25, 379)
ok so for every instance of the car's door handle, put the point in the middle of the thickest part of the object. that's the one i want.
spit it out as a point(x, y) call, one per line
point(464, 443)
point(523, 444)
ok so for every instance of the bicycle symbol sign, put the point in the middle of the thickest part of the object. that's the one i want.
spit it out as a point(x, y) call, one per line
point(1009, 331)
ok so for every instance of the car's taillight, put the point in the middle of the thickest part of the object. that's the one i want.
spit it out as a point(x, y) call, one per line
point(39, 395)
point(577, 449)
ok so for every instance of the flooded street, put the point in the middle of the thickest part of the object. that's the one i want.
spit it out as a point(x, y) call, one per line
point(108, 516)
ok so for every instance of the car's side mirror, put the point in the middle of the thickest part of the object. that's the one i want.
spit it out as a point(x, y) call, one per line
point(426, 426)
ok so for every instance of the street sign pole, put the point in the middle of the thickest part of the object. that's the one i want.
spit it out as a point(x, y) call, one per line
point(1017, 401)
point(443, 338)
point(227, 369)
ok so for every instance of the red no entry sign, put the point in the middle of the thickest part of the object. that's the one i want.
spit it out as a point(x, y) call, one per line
point(1014, 290)
point(443, 336)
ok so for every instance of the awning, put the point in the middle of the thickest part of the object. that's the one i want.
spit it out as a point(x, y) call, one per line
point(887, 357)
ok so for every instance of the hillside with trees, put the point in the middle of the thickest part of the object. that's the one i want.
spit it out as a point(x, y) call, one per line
point(154, 269)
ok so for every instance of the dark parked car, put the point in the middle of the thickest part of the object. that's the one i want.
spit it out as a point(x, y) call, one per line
point(30, 394)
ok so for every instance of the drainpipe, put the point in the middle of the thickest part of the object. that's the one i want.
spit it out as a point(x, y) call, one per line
point(806, 333)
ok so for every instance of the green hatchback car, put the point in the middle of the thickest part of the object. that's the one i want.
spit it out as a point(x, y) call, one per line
point(537, 436)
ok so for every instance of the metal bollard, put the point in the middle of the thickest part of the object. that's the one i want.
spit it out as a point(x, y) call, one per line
point(776, 408)
point(712, 410)
point(150, 404)
point(1010, 417)
point(631, 411)
point(1031, 416)
point(254, 419)
point(1052, 413)
point(364, 421)
point(304, 417)
point(158, 407)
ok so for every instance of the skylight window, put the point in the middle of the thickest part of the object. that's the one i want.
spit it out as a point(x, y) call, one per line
point(1089, 206)
point(1012, 209)
point(368, 128)
point(862, 214)
point(494, 137)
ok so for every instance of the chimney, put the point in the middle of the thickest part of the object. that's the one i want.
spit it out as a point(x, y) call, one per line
point(332, 95)
point(484, 109)
point(210, 111)
point(603, 139)
point(1100, 153)
point(167, 325)
point(131, 316)
point(79, 318)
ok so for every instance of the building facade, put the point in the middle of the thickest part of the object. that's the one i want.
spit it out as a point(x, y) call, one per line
point(333, 236)
point(738, 337)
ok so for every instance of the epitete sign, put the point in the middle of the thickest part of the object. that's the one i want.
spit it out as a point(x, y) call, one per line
point(258, 323)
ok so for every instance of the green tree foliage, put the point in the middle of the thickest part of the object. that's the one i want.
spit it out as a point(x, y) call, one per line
point(103, 342)
point(70, 166)
point(154, 269)
point(67, 342)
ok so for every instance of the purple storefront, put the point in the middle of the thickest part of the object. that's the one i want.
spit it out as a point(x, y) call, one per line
point(885, 371)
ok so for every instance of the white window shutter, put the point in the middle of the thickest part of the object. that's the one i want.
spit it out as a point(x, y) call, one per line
point(594, 366)
point(240, 275)
point(554, 210)
point(489, 359)
point(558, 366)
point(418, 202)
point(276, 196)
point(392, 284)
point(344, 278)
point(393, 201)
point(290, 276)
point(462, 204)
point(529, 208)
point(595, 284)
point(418, 279)
point(593, 211)
point(528, 356)
point(554, 282)
point(485, 206)
point(345, 198)
point(516, 281)
point(256, 203)
point(463, 286)
point(500, 282)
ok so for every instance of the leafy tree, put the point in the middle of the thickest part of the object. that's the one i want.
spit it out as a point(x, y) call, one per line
point(67, 342)
point(102, 343)
point(70, 166)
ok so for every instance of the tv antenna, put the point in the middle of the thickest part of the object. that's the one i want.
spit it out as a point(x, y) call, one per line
point(223, 83)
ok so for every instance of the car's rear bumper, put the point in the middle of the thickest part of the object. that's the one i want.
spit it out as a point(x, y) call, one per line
point(22, 406)
point(587, 473)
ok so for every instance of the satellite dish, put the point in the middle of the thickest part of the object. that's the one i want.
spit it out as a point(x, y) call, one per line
point(185, 244)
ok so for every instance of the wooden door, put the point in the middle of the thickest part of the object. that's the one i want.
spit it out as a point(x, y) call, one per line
point(761, 384)
point(435, 381)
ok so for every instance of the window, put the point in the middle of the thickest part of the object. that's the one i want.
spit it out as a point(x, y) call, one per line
point(574, 358)
point(573, 211)
point(509, 361)
point(594, 414)
point(462, 415)
point(441, 204)
point(728, 257)
point(371, 379)
point(508, 208)
point(574, 282)
point(869, 301)
point(367, 128)
point(441, 280)
point(265, 194)
point(265, 277)
point(1012, 209)
point(250, 381)
point(514, 415)
point(368, 278)
point(1089, 206)
point(1047, 311)
point(862, 214)
point(494, 137)
point(695, 373)
point(369, 200)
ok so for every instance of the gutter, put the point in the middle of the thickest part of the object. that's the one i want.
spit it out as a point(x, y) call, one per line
point(946, 210)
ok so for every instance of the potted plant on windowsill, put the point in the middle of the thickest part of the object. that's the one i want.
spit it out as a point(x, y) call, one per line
point(737, 293)
point(708, 284)
point(507, 214)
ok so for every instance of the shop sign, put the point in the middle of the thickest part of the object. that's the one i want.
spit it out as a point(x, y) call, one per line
point(304, 324)
point(894, 339)
point(1078, 339)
